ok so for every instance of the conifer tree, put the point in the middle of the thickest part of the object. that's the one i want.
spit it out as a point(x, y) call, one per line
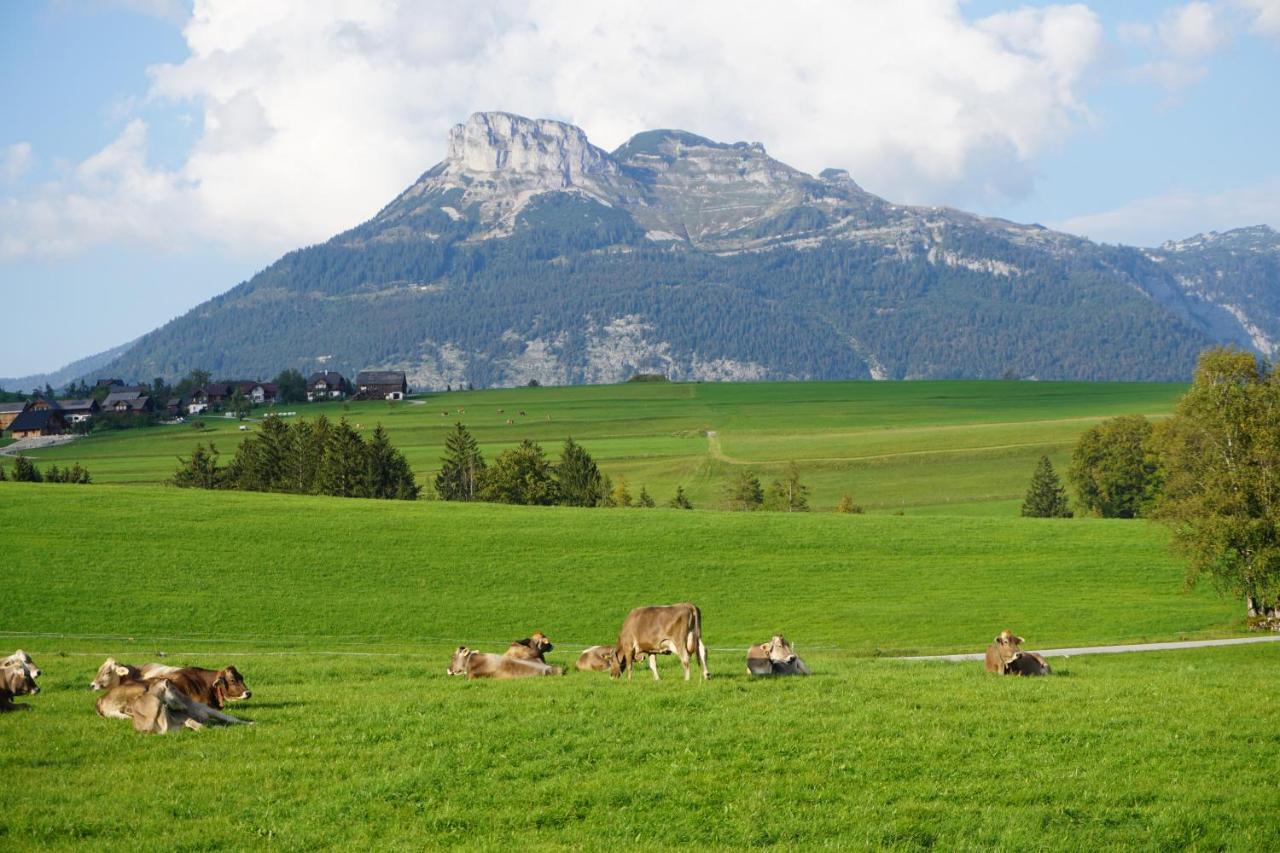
point(52, 474)
point(645, 499)
point(462, 467)
point(744, 492)
point(2, 474)
point(621, 495)
point(847, 505)
point(680, 501)
point(24, 471)
point(578, 479)
point(200, 470)
point(341, 472)
point(1046, 498)
point(387, 473)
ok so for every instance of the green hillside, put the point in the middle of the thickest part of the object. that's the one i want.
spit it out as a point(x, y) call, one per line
point(951, 447)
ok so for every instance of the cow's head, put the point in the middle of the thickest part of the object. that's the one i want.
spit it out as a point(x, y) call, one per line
point(779, 650)
point(617, 662)
point(21, 658)
point(17, 681)
point(458, 666)
point(109, 675)
point(540, 642)
point(1007, 646)
point(230, 685)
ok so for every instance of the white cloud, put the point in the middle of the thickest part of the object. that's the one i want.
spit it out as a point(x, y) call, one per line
point(15, 160)
point(316, 112)
point(1192, 30)
point(1175, 215)
point(1264, 14)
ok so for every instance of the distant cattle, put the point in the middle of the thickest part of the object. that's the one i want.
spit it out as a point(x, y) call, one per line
point(16, 680)
point(596, 659)
point(775, 657)
point(474, 664)
point(22, 659)
point(660, 630)
point(1006, 657)
point(530, 648)
point(156, 706)
point(521, 413)
point(509, 421)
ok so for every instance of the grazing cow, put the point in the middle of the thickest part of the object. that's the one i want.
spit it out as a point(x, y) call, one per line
point(21, 658)
point(502, 411)
point(521, 413)
point(16, 680)
point(157, 705)
point(596, 659)
point(482, 665)
point(112, 673)
point(663, 630)
point(1028, 663)
point(775, 657)
point(530, 648)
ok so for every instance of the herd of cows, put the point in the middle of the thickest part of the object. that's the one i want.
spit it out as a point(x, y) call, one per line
point(157, 698)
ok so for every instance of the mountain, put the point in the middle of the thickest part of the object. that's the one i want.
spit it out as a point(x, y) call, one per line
point(68, 373)
point(529, 253)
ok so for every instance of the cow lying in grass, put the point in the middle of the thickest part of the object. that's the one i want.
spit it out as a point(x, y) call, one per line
point(21, 659)
point(596, 659)
point(1006, 657)
point(530, 648)
point(482, 665)
point(16, 680)
point(156, 706)
point(213, 687)
point(775, 657)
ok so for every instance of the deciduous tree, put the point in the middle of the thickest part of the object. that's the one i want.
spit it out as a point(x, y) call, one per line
point(1113, 469)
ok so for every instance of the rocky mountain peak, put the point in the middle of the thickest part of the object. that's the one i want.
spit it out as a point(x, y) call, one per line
point(495, 143)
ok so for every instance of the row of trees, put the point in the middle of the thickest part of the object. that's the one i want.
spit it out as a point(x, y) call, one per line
point(25, 471)
point(305, 457)
point(1211, 473)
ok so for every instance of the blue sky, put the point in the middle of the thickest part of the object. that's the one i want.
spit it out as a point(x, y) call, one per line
point(154, 154)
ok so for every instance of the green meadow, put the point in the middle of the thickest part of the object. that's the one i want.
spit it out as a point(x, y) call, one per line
point(342, 614)
point(911, 447)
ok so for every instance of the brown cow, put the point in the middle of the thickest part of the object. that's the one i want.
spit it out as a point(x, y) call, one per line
point(1028, 663)
point(16, 680)
point(530, 648)
point(1001, 651)
point(22, 659)
point(775, 657)
point(661, 630)
point(482, 665)
point(156, 705)
point(596, 659)
point(112, 673)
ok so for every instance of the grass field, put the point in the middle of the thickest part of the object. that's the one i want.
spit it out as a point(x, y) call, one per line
point(342, 613)
point(927, 447)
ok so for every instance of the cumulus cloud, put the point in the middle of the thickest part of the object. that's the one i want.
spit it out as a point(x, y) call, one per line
point(1264, 15)
point(15, 160)
point(1174, 215)
point(1192, 30)
point(316, 112)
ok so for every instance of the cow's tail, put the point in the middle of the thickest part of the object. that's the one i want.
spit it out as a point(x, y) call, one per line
point(692, 639)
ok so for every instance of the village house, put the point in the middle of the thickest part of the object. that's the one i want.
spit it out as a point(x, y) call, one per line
point(79, 411)
point(381, 385)
point(123, 402)
point(260, 392)
point(10, 411)
point(329, 385)
point(37, 422)
point(109, 384)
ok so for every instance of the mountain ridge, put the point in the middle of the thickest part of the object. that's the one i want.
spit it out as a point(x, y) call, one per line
point(530, 253)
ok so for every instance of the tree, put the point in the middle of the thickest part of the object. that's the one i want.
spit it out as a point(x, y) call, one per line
point(645, 499)
point(1220, 459)
point(578, 479)
point(240, 405)
point(744, 492)
point(24, 471)
point(1113, 469)
point(53, 474)
point(1046, 498)
point(521, 475)
point(789, 494)
point(291, 386)
point(847, 505)
point(620, 495)
point(2, 474)
point(199, 470)
point(387, 473)
point(680, 500)
point(341, 473)
point(462, 467)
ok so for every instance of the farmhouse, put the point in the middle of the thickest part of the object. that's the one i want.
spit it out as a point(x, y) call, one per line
point(9, 412)
point(110, 384)
point(329, 385)
point(79, 411)
point(41, 404)
point(259, 392)
point(381, 385)
point(121, 402)
point(36, 422)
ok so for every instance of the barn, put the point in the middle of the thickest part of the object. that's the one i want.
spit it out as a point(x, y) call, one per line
point(381, 385)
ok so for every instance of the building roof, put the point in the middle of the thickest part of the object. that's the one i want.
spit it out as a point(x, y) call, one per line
point(328, 377)
point(9, 408)
point(105, 383)
point(78, 405)
point(116, 396)
point(131, 403)
point(380, 377)
point(34, 419)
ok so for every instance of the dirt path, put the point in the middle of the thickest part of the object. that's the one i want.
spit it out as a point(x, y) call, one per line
point(1114, 650)
point(22, 445)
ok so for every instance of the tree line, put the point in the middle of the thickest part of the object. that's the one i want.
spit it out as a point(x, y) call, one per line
point(305, 458)
point(25, 471)
point(1211, 473)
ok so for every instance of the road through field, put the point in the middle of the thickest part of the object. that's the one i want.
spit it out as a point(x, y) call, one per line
point(1112, 650)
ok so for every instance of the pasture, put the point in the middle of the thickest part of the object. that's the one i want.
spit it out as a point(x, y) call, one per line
point(911, 447)
point(342, 614)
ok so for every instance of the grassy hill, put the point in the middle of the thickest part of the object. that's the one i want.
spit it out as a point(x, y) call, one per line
point(342, 613)
point(915, 447)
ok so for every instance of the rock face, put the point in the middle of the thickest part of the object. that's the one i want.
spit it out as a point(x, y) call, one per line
point(529, 253)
